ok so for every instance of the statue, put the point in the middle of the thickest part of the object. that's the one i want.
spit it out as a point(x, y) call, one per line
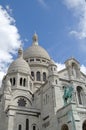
point(68, 91)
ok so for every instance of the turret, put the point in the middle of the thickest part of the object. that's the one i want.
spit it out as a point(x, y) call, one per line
point(52, 72)
point(19, 73)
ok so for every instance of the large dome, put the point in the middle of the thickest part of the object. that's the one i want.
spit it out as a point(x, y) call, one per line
point(35, 50)
point(19, 65)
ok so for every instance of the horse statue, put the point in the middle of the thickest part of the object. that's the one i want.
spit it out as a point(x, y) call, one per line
point(68, 91)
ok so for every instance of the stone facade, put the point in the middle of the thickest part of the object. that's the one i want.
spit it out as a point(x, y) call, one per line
point(35, 96)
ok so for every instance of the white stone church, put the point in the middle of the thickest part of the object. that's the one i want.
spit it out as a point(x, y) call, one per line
point(36, 96)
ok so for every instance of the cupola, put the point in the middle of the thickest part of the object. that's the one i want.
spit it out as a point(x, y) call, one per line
point(19, 65)
point(52, 68)
point(35, 50)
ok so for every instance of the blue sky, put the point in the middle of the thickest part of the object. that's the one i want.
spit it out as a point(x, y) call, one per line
point(60, 25)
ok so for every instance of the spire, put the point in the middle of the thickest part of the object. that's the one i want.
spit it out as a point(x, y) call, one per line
point(20, 51)
point(35, 39)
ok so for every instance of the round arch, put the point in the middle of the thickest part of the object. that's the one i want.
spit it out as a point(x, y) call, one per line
point(65, 127)
point(35, 127)
point(23, 97)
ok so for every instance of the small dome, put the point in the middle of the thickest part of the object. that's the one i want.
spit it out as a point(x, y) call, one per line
point(52, 63)
point(19, 65)
point(35, 50)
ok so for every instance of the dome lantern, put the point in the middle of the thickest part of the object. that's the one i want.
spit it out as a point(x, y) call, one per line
point(35, 39)
point(20, 52)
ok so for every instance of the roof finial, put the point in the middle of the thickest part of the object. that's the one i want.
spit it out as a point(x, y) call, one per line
point(20, 51)
point(35, 39)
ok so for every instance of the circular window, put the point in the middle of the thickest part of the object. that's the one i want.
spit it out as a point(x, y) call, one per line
point(22, 102)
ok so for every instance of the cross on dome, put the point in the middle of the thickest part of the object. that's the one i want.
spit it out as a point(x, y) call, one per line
point(20, 51)
point(35, 39)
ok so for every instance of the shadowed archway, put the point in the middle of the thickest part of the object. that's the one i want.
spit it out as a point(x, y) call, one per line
point(84, 125)
point(64, 127)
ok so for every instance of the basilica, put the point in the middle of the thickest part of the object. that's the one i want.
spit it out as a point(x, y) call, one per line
point(34, 95)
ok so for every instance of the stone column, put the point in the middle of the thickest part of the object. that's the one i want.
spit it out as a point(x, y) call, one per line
point(11, 121)
point(17, 80)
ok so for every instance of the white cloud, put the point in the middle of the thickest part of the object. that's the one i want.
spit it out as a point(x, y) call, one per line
point(78, 8)
point(61, 66)
point(83, 69)
point(43, 3)
point(9, 39)
point(1, 76)
point(9, 10)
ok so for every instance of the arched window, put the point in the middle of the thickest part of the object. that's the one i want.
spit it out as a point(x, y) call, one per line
point(46, 98)
point(56, 81)
point(44, 76)
point(27, 124)
point(84, 125)
point(19, 127)
point(32, 74)
point(13, 81)
point(34, 127)
point(24, 82)
point(74, 69)
point(20, 81)
point(79, 94)
point(54, 69)
point(38, 76)
point(64, 127)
